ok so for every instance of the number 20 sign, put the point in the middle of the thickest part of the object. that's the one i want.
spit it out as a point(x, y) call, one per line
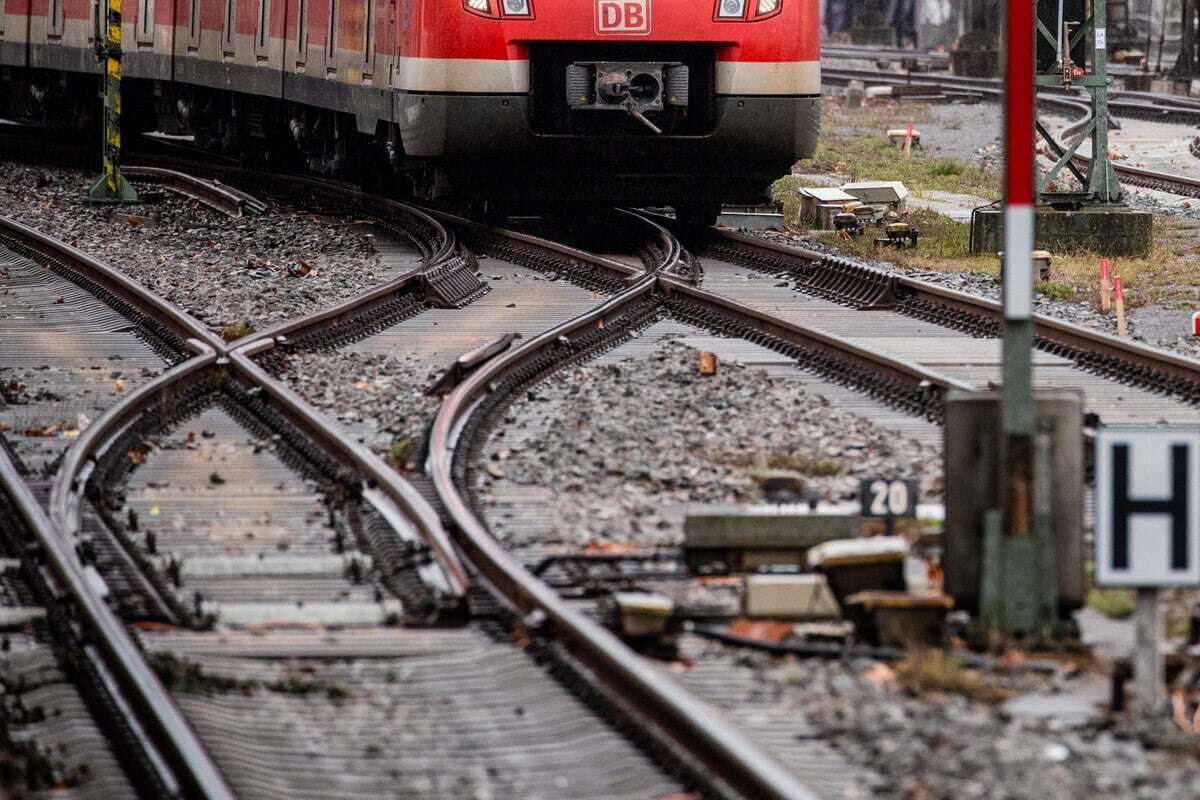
point(888, 497)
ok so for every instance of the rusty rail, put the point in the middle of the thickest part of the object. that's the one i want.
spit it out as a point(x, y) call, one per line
point(225, 199)
point(148, 707)
point(695, 726)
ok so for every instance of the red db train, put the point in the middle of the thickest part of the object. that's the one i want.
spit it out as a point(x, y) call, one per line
point(674, 102)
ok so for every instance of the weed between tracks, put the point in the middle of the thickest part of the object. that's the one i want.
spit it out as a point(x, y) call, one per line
point(188, 677)
point(924, 671)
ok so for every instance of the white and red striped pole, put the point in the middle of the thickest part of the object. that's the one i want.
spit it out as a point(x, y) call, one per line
point(1019, 199)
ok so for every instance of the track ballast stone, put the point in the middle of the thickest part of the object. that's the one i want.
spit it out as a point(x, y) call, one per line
point(379, 397)
point(252, 271)
point(624, 446)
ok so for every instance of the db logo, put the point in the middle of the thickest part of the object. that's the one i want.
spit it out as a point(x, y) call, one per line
point(622, 16)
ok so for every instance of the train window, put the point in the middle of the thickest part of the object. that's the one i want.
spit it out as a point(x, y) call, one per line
point(230, 18)
point(194, 24)
point(264, 17)
point(368, 30)
point(54, 23)
point(331, 39)
point(145, 24)
point(302, 28)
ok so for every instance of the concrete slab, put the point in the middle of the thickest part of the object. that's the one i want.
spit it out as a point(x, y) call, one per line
point(1122, 232)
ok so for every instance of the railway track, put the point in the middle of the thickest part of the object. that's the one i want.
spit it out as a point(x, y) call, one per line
point(194, 475)
point(210, 493)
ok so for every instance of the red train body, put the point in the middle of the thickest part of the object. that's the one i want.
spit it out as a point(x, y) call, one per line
point(658, 101)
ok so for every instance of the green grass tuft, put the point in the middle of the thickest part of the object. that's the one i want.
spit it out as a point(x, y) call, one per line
point(1112, 603)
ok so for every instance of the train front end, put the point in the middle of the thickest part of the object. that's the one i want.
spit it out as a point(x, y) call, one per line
point(679, 102)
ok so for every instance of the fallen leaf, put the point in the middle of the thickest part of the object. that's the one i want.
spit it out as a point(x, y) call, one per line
point(120, 386)
point(137, 456)
point(760, 630)
point(880, 674)
point(155, 511)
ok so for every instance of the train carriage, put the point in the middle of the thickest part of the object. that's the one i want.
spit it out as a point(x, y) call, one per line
point(680, 102)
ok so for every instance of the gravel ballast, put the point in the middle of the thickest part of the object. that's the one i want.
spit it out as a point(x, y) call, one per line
point(252, 271)
point(381, 398)
point(620, 444)
point(935, 745)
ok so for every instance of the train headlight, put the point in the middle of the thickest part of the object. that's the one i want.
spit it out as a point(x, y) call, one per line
point(517, 8)
point(482, 8)
point(731, 9)
point(746, 10)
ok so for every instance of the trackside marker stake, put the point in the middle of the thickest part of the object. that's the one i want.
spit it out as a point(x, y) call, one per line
point(1119, 290)
point(1196, 324)
point(1105, 280)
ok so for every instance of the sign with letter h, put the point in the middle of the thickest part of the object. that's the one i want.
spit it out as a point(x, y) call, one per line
point(1148, 507)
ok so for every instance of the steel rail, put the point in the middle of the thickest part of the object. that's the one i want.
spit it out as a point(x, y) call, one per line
point(225, 199)
point(694, 725)
point(907, 373)
point(616, 268)
point(1045, 327)
point(70, 481)
point(378, 474)
point(37, 244)
point(698, 728)
point(334, 315)
point(150, 704)
point(849, 51)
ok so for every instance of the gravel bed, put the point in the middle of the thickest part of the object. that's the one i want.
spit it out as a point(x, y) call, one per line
point(255, 271)
point(379, 397)
point(937, 746)
point(621, 443)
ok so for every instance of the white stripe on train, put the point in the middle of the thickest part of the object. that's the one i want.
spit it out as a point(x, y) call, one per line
point(503, 76)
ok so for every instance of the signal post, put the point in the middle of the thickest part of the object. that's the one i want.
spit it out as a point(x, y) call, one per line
point(112, 186)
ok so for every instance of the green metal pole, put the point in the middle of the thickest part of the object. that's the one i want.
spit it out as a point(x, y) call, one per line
point(1103, 185)
point(112, 186)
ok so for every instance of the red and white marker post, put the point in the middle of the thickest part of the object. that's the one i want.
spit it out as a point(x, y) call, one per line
point(1196, 324)
point(1010, 535)
point(1119, 291)
point(1105, 281)
point(1020, 189)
